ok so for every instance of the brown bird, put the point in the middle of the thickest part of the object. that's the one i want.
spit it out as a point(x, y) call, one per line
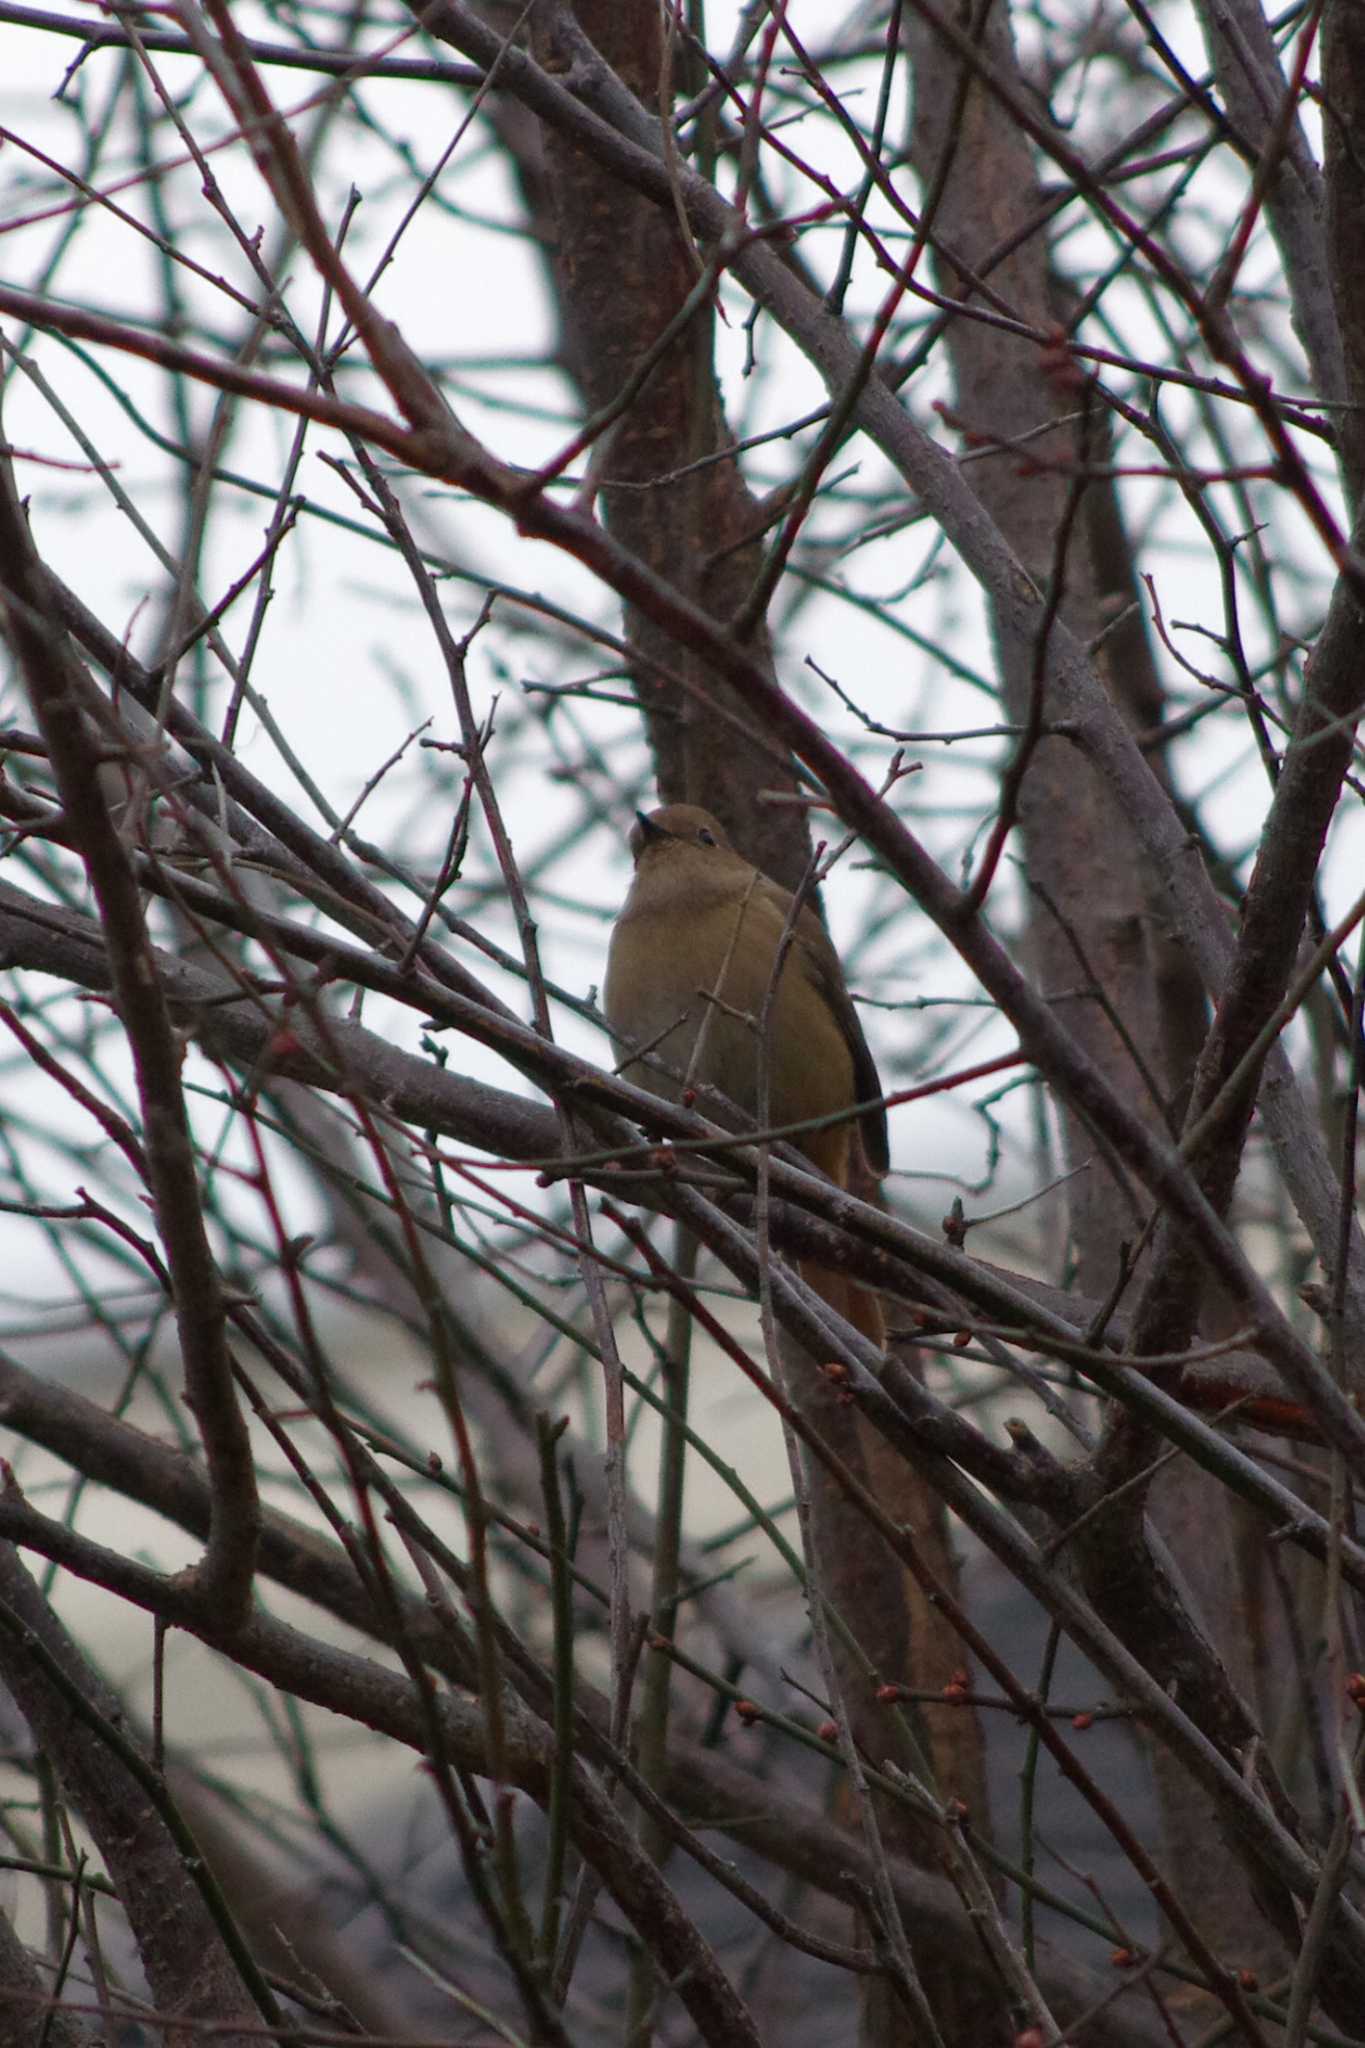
point(691, 963)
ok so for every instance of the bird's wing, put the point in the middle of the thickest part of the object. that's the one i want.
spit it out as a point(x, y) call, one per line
point(821, 963)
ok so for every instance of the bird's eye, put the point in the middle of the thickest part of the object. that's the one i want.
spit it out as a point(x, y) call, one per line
point(705, 838)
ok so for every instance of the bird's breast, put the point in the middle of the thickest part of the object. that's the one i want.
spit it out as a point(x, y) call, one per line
point(696, 983)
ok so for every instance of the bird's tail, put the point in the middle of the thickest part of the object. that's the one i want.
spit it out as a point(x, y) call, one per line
point(848, 1298)
point(839, 1153)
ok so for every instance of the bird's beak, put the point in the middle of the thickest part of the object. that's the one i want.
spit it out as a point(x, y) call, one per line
point(643, 832)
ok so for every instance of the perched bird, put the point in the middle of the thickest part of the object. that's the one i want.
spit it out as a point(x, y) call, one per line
point(691, 964)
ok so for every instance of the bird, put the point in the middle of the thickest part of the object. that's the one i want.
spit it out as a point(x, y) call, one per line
point(690, 968)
